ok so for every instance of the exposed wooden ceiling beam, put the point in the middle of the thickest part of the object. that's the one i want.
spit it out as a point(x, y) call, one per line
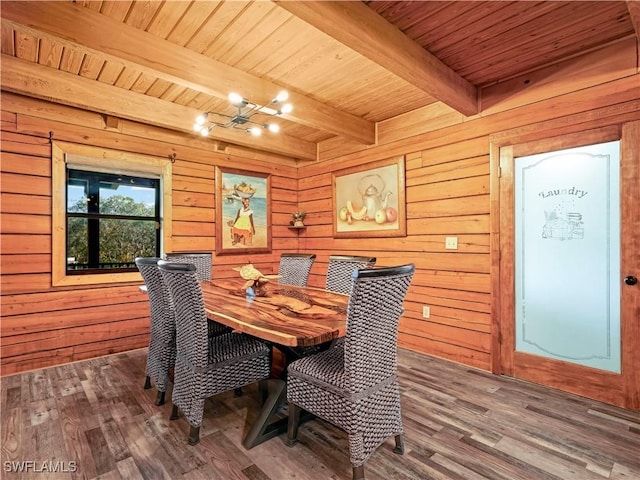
point(363, 30)
point(42, 82)
point(75, 26)
point(634, 11)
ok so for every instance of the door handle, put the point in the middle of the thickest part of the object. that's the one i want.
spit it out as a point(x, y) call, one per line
point(630, 280)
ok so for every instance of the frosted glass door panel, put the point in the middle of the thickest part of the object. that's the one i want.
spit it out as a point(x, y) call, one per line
point(567, 255)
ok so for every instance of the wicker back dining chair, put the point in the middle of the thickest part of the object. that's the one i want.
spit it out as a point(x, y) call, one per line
point(161, 354)
point(294, 268)
point(206, 366)
point(340, 270)
point(203, 262)
point(355, 386)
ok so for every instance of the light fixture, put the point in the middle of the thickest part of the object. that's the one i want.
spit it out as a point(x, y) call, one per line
point(242, 119)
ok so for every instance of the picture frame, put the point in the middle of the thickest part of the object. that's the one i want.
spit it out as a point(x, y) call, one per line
point(243, 206)
point(369, 200)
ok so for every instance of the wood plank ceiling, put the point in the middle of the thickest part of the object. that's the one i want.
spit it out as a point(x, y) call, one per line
point(346, 65)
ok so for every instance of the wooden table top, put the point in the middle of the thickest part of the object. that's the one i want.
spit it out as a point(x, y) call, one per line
point(287, 315)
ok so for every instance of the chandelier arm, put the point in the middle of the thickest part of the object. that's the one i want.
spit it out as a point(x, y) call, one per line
point(245, 110)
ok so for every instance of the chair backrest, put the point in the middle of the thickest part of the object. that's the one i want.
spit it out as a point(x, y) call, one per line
point(191, 319)
point(373, 314)
point(294, 268)
point(341, 268)
point(202, 261)
point(162, 315)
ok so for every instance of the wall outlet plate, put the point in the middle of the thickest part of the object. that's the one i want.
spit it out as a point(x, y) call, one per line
point(451, 243)
point(426, 312)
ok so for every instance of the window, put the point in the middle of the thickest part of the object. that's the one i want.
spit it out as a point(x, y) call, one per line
point(111, 220)
point(108, 207)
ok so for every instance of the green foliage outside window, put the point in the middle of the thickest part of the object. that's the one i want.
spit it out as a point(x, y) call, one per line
point(122, 230)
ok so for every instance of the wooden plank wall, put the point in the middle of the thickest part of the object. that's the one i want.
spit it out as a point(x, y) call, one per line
point(44, 326)
point(448, 194)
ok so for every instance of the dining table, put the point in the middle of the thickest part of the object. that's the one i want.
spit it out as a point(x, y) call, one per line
point(295, 320)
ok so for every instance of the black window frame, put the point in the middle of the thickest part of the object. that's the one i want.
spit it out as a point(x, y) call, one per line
point(93, 180)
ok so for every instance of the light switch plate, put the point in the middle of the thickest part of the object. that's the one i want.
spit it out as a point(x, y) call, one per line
point(451, 243)
point(426, 312)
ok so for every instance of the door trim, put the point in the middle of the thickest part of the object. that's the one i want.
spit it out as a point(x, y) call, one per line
point(618, 389)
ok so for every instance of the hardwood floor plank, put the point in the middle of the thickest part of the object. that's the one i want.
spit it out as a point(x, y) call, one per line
point(459, 424)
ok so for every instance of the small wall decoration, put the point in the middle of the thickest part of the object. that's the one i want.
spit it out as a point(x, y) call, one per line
point(243, 211)
point(369, 200)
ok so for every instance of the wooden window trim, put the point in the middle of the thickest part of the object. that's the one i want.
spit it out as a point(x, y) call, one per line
point(118, 162)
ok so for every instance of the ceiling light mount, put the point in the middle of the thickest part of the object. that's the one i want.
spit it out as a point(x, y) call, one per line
point(242, 119)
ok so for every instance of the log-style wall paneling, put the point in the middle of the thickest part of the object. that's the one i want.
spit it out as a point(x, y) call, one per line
point(44, 326)
point(448, 191)
point(449, 182)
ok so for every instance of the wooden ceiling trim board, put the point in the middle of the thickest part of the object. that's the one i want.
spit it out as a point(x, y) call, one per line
point(465, 25)
point(158, 87)
point(71, 60)
point(574, 36)
point(171, 93)
point(41, 82)
point(110, 73)
point(143, 83)
point(172, 63)
point(253, 17)
point(127, 78)
point(451, 20)
point(91, 67)
point(406, 14)
point(261, 60)
point(517, 39)
point(7, 44)
point(141, 14)
point(634, 12)
point(26, 46)
point(214, 26)
point(49, 54)
point(116, 10)
point(499, 24)
point(166, 23)
point(593, 68)
point(259, 37)
point(318, 52)
point(362, 29)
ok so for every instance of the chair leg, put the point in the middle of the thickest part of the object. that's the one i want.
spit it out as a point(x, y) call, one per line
point(292, 426)
point(160, 398)
point(358, 473)
point(147, 383)
point(399, 445)
point(174, 412)
point(194, 435)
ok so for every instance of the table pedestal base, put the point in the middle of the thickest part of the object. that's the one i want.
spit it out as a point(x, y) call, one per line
point(267, 426)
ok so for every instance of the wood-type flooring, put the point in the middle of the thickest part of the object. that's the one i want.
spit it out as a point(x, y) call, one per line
point(93, 420)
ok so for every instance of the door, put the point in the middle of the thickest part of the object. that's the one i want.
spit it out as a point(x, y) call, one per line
point(569, 314)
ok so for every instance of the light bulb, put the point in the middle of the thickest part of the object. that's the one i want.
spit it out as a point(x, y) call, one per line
point(286, 108)
point(205, 132)
point(255, 131)
point(273, 127)
point(200, 119)
point(281, 97)
point(197, 127)
point(236, 99)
